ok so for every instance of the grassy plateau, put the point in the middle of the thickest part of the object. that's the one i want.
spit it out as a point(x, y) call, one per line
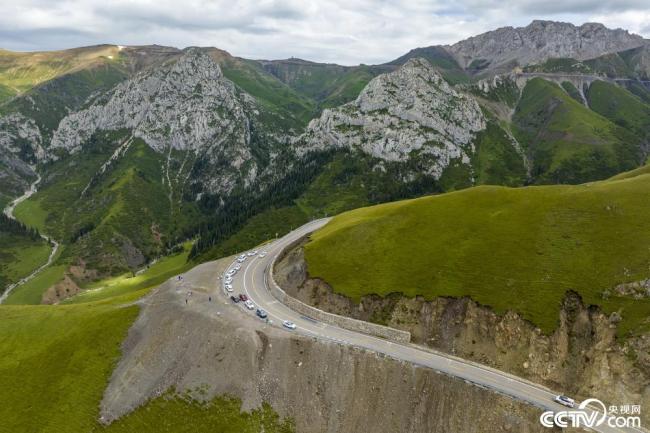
point(515, 249)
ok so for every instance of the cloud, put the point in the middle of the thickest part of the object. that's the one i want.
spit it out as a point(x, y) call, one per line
point(341, 31)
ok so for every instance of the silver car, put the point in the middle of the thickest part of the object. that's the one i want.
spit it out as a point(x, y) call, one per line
point(288, 324)
point(564, 400)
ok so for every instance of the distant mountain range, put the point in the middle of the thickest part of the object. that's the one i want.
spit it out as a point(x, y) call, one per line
point(140, 148)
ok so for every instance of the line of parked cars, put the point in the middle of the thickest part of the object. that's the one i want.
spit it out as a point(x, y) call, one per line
point(228, 279)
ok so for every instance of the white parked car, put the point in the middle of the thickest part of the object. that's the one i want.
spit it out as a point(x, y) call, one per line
point(564, 400)
point(241, 260)
point(250, 254)
point(249, 304)
point(262, 255)
point(228, 280)
point(230, 273)
point(229, 288)
point(237, 267)
point(288, 324)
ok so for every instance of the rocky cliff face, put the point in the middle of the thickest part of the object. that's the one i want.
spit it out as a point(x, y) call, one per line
point(539, 41)
point(20, 147)
point(582, 357)
point(410, 113)
point(187, 106)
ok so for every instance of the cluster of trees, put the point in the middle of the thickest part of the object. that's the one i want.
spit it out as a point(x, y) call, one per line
point(11, 226)
point(231, 213)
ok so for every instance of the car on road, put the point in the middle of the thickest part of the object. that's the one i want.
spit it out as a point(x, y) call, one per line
point(564, 400)
point(250, 254)
point(229, 288)
point(243, 297)
point(261, 313)
point(288, 324)
point(262, 254)
point(236, 268)
point(249, 304)
point(228, 280)
point(240, 260)
point(234, 299)
point(230, 273)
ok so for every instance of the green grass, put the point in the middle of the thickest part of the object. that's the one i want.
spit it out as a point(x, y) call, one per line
point(32, 291)
point(156, 274)
point(560, 65)
point(55, 362)
point(326, 85)
point(441, 59)
point(572, 91)
point(48, 103)
point(6, 93)
point(282, 105)
point(19, 256)
point(175, 414)
point(22, 71)
point(126, 205)
point(567, 142)
point(620, 106)
point(30, 213)
point(510, 249)
point(496, 161)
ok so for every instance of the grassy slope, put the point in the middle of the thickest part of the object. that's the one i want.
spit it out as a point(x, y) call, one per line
point(327, 85)
point(439, 57)
point(346, 181)
point(6, 93)
point(567, 142)
point(284, 106)
point(19, 256)
point(518, 249)
point(175, 414)
point(55, 362)
point(620, 106)
point(572, 91)
point(22, 71)
point(49, 102)
point(154, 275)
point(126, 204)
point(32, 291)
point(496, 161)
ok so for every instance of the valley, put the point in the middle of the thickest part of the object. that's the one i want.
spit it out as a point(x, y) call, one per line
point(485, 200)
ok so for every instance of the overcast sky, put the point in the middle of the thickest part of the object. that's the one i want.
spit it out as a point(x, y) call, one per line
point(339, 31)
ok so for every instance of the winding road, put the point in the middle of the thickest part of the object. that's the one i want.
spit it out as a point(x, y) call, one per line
point(253, 280)
point(9, 211)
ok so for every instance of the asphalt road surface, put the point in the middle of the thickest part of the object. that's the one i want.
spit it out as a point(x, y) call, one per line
point(252, 280)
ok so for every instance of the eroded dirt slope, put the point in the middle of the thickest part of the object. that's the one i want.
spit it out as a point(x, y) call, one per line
point(326, 387)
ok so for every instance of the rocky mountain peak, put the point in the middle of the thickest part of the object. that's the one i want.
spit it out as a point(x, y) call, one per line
point(412, 110)
point(187, 106)
point(540, 40)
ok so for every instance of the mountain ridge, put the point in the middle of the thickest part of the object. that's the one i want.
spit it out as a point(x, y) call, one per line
point(203, 143)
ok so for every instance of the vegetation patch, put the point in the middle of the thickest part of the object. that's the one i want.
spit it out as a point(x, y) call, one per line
point(173, 413)
point(55, 362)
point(153, 275)
point(565, 141)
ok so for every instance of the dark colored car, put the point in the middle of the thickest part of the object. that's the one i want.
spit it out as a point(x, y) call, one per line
point(234, 299)
point(261, 313)
point(243, 297)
